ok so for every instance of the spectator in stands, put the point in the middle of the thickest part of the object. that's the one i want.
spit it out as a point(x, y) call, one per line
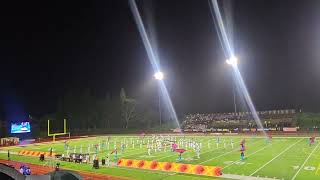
point(57, 167)
point(201, 122)
point(21, 169)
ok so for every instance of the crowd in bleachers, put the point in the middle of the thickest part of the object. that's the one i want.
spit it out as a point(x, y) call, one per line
point(206, 121)
point(9, 141)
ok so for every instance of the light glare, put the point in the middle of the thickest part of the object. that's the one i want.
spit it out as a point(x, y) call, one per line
point(232, 61)
point(153, 59)
point(158, 75)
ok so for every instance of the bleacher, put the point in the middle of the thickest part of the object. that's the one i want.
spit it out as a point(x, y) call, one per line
point(275, 119)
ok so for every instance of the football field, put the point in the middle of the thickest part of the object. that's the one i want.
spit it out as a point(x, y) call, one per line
point(281, 158)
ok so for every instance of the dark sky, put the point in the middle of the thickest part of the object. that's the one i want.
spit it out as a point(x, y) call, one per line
point(48, 48)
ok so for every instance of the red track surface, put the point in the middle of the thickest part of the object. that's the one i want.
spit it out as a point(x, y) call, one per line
point(40, 170)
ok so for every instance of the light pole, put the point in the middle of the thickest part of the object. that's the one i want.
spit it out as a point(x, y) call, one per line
point(234, 95)
point(233, 61)
point(159, 76)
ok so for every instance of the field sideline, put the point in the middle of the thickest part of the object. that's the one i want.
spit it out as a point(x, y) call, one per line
point(284, 158)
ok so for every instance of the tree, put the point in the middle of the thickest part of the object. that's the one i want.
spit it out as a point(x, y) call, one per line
point(308, 120)
point(106, 110)
point(128, 108)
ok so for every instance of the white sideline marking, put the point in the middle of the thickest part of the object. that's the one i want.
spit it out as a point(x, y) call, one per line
point(222, 154)
point(242, 177)
point(247, 156)
point(275, 157)
point(304, 162)
point(11, 152)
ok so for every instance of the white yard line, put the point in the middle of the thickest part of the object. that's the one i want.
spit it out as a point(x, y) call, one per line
point(222, 154)
point(157, 154)
point(221, 147)
point(141, 151)
point(218, 156)
point(247, 156)
point(218, 147)
point(274, 158)
point(305, 162)
point(128, 155)
point(202, 153)
point(166, 156)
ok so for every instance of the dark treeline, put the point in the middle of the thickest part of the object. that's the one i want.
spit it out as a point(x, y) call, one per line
point(88, 113)
point(309, 121)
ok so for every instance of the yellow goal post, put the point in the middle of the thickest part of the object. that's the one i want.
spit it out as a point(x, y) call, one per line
point(58, 134)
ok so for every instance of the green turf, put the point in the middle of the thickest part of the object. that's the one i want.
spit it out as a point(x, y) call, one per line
point(283, 158)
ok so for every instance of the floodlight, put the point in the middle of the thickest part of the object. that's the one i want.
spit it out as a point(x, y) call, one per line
point(232, 61)
point(158, 75)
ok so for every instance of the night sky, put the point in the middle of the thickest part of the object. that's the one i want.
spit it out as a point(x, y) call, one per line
point(48, 48)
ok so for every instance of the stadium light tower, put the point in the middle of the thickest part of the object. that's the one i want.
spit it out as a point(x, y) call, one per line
point(227, 47)
point(159, 76)
point(233, 61)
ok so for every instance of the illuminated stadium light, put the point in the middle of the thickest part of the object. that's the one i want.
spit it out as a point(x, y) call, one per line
point(233, 61)
point(154, 61)
point(158, 75)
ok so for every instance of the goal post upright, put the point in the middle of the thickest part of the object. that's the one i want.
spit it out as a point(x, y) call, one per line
point(58, 134)
point(64, 126)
